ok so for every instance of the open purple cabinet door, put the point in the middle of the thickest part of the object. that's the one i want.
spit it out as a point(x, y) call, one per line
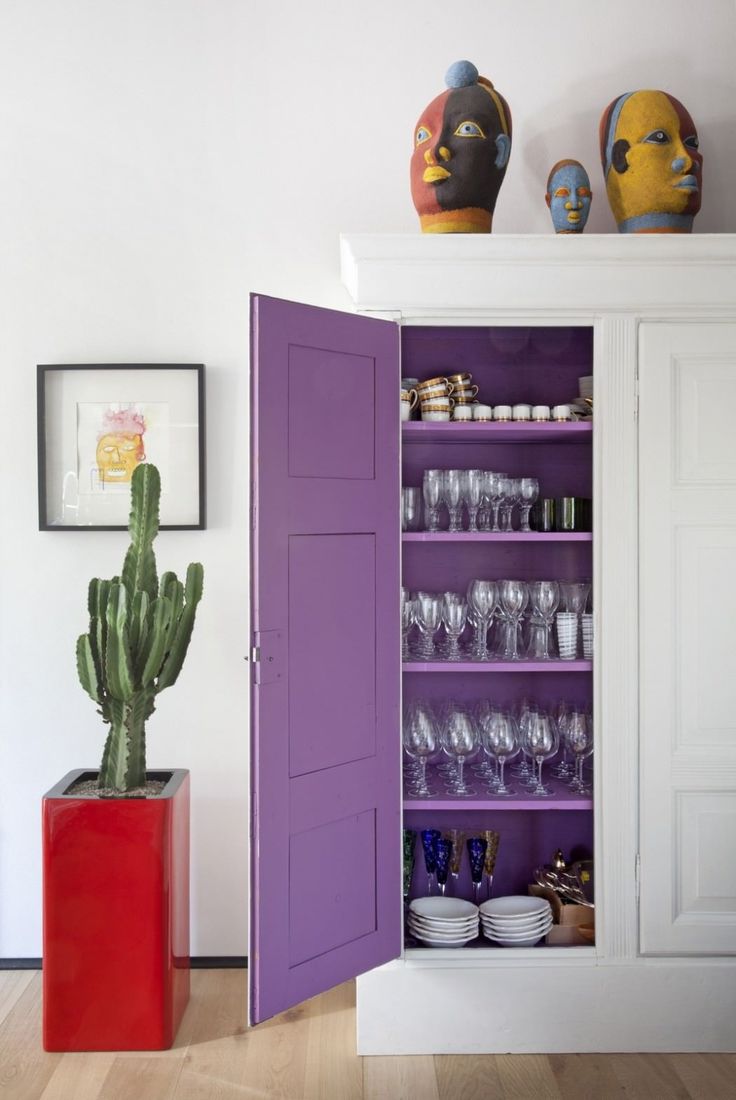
point(325, 783)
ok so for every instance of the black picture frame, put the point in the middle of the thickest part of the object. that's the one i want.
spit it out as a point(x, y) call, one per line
point(58, 387)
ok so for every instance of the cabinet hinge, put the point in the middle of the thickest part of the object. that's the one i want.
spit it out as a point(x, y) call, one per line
point(255, 653)
point(637, 875)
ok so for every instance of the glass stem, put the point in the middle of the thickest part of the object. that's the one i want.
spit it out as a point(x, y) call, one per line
point(496, 507)
point(422, 785)
point(460, 768)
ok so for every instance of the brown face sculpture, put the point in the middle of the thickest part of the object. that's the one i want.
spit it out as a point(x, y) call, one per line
point(462, 144)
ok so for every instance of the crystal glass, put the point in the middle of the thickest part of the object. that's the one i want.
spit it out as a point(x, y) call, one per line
point(452, 496)
point(472, 490)
point(420, 737)
point(410, 837)
point(443, 857)
point(457, 839)
point(411, 504)
point(542, 742)
point(501, 740)
point(432, 493)
point(477, 848)
point(496, 495)
point(528, 493)
point(493, 840)
point(454, 617)
point(481, 597)
point(428, 617)
point(429, 848)
point(407, 622)
point(507, 490)
point(579, 740)
point(459, 736)
point(513, 596)
point(544, 597)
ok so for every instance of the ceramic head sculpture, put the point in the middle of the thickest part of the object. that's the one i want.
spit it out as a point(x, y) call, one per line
point(651, 163)
point(462, 144)
point(568, 196)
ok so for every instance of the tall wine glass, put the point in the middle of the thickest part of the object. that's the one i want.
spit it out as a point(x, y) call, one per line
point(454, 617)
point(528, 493)
point(432, 493)
point(482, 601)
point(496, 495)
point(514, 596)
point(544, 597)
point(579, 740)
point(407, 621)
point(472, 495)
point(427, 616)
point(421, 739)
point(542, 742)
point(452, 496)
point(459, 740)
point(477, 848)
point(501, 740)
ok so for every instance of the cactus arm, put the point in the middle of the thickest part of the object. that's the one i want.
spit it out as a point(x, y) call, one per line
point(138, 629)
point(118, 664)
point(139, 568)
point(135, 723)
point(183, 630)
point(172, 587)
point(158, 639)
point(87, 668)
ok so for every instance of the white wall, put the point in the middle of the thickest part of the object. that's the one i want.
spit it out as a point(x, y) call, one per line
point(159, 160)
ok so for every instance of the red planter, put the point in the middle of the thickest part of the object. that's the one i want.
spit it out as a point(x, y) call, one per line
point(116, 917)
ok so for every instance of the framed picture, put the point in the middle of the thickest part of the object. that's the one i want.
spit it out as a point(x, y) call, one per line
point(96, 423)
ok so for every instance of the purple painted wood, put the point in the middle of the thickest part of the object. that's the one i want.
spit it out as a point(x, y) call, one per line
point(564, 798)
point(422, 431)
point(325, 783)
point(498, 666)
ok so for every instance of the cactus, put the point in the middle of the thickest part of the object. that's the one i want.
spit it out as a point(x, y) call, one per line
point(139, 631)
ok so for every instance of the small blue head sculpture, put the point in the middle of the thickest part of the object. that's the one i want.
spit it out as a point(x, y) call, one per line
point(568, 196)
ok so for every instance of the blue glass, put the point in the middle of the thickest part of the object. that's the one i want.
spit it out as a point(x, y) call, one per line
point(477, 848)
point(409, 840)
point(443, 855)
point(429, 846)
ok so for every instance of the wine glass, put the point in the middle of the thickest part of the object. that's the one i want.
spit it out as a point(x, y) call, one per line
point(410, 508)
point(443, 857)
point(482, 602)
point(454, 617)
point(427, 616)
point(495, 481)
point(452, 496)
point(544, 597)
point(507, 490)
point(420, 738)
point(477, 848)
point(459, 737)
point(528, 493)
point(514, 596)
point(429, 849)
point(542, 742)
point(501, 741)
point(407, 621)
point(579, 740)
point(432, 493)
point(457, 839)
point(472, 488)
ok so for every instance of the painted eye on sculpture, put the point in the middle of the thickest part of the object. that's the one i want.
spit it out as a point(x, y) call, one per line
point(469, 129)
point(657, 137)
point(584, 192)
point(561, 193)
point(423, 135)
point(691, 142)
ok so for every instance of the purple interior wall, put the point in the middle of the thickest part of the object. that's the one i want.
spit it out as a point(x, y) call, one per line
point(510, 365)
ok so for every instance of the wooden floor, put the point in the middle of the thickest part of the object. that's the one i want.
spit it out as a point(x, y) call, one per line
point(309, 1054)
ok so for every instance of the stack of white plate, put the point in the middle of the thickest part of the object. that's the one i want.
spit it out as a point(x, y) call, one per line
point(443, 922)
point(516, 921)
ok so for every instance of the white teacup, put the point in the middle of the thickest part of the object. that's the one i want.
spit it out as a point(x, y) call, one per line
point(433, 387)
point(540, 412)
point(442, 402)
point(434, 412)
point(521, 412)
point(561, 412)
point(502, 412)
point(462, 412)
point(482, 412)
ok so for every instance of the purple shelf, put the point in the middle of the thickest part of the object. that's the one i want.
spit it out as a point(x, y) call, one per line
point(420, 431)
point(497, 536)
point(498, 666)
point(563, 799)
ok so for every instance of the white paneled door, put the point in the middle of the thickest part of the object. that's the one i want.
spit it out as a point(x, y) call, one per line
point(687, 533)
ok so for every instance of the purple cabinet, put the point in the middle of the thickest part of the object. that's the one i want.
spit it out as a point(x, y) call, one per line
point(325, 783)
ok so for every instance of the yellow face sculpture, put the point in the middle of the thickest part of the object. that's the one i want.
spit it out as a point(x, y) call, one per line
point(649, 150)
point(118, 454)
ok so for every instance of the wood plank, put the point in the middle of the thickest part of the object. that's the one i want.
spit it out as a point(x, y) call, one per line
point(13, 984)
point(706, 1076)
point(645, 1076)
point(141, 1077)
point(25, 1068)
point(215, 1028)
point(526, 1075)
point(81, 1076)
point(471, 1076)
point(333, 1070)
point(411, 1078)
point(582, 1076)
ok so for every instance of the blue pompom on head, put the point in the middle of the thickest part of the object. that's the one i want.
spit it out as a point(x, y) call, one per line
point(461, 74)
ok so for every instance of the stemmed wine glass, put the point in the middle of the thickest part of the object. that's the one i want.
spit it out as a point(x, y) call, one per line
point(544, 597)
point(459, 737)
point(452, 496)
point(507, 489)
point(514, 596)
point(432, 493)
point(501, 741)
point(407, 621)
point(542, 740)
point(528, 493)
point(477, 848)
point(481, 602)
point(427, 616)
point(421, 739)
point(443, 858)
point(429, 849)
point(579, 740)
point(472, 492)
point(454, 617)
point(495, 481)
point(410, 508)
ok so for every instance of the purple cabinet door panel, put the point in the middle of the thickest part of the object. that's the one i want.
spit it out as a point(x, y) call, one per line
point(325, 781)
